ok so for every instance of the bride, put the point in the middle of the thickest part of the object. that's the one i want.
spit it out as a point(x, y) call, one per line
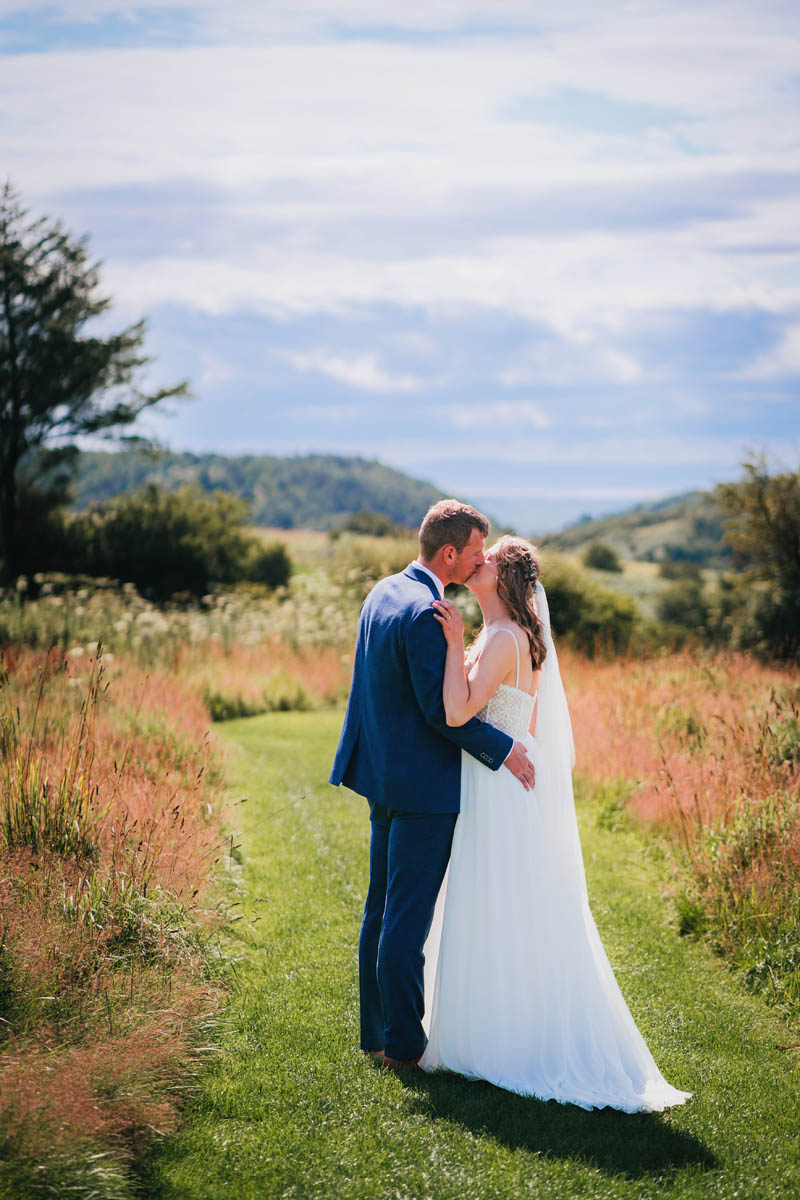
point(518, 987)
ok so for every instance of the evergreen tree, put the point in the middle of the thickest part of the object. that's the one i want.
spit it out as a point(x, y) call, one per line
point(58, 382)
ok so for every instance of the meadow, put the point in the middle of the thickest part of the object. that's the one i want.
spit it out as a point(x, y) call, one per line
point(290, 1108)
point(156, 936)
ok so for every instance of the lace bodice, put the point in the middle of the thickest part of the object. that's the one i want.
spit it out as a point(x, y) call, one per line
point(509, 709)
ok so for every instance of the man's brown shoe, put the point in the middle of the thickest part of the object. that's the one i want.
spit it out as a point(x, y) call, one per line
point(401, 1064)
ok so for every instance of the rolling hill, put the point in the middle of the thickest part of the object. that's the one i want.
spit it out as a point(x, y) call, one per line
point(311, 491)
point(316, 491)
point(687, 527)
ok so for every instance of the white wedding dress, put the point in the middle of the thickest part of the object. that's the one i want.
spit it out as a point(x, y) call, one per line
point(518, 988)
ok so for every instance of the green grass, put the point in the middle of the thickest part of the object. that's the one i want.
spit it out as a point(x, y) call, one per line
point(289, 1108)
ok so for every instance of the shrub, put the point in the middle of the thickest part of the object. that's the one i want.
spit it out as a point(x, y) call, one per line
point(44, 537)
point(601, 557)
point(169, 543)
point(680, 569)
point(684, 605)
point(373, 524)
point(281, 693)
point(591, 618)
point(268, 564)
point(763, 617)
point(224, 706)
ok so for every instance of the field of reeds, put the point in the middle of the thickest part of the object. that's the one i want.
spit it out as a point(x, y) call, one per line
point(706, 750)
point(109, 828)
point(115, 845)
point(112, 829)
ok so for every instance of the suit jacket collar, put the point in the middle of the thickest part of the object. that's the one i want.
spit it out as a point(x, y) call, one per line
point(414, 571)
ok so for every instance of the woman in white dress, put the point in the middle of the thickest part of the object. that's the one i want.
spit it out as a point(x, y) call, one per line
point(519, 990)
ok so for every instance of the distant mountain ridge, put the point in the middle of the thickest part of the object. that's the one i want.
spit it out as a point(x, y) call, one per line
point(312, 491)
point(686, 527)
point(317, 491)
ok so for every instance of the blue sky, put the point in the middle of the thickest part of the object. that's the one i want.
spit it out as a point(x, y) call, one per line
point(546, 256)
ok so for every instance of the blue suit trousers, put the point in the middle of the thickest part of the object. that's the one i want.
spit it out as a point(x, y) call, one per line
point(408, 857)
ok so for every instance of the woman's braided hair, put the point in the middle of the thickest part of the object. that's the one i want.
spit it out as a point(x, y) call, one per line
point(518, 568)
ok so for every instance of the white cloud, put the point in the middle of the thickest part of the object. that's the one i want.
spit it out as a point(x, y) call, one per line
point(505, 413)
point(360, 372)
point(308, 143)
point(783, 360)
point(584, 289)
point(584, 357)
point(334, 414)
point(289, 161)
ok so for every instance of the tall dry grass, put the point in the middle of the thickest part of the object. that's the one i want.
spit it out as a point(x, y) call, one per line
point(109, 826)
point(240, 681)
point(708, 749)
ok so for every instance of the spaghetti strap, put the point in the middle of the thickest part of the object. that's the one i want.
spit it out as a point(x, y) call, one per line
point(502, 629)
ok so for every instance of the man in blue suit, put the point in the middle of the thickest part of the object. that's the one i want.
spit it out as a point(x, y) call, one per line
point(397, 749)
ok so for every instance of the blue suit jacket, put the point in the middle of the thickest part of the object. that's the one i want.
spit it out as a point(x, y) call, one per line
point(396, 746)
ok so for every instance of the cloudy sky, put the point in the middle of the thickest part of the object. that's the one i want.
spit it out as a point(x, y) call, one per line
point(546, 256)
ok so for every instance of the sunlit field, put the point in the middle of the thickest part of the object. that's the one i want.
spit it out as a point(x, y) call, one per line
point(118, 849)
point(707, 750)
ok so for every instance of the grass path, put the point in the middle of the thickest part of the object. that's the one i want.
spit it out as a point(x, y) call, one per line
point(289, 1108)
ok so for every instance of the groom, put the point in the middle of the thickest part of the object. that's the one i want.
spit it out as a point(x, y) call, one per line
point(397, 749)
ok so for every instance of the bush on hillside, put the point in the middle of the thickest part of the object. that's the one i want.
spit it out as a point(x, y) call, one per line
point(590, 618)
point(601, 557)
point(685, 607)
point(372, 524)
point(680, 569)
point(172, 542)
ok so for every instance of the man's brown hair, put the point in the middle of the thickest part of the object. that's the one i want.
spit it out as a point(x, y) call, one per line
point(449, 523)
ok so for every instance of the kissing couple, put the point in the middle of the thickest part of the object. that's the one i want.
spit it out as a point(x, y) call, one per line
point(478, 951)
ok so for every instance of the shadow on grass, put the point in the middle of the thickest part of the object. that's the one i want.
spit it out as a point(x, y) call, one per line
point(629, 1144)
